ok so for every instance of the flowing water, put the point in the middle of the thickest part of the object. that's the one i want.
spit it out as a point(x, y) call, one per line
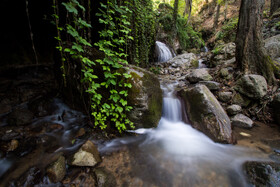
point(164, 53)
point(175, 154)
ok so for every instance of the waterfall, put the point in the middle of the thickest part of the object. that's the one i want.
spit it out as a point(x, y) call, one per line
point(163, 52)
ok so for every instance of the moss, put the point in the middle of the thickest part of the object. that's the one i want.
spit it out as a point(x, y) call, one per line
point(194, 63)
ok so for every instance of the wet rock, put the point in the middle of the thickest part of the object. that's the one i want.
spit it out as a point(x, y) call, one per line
point(80, 133)
point(233, 110)
point(145, 97)
point(241, 100)
point(13, 145)
point(104, 178)
point(224, 72)
point(83, 178)
point(243, 121)
point(252, 86)
point(272, 46)
point(184, 61)
point(20, 117)
point(42, 106)
point(57, 170)
point(197, 75)
point(225, 96)
point(276, 108)
point(87, 155)
point(206, 114)
point(262, 173)
point(211, 85)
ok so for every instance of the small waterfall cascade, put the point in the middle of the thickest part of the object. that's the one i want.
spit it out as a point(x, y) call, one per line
point(164, 53)
point(180, 153)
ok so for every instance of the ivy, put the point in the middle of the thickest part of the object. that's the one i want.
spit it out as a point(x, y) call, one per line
point(109, 88)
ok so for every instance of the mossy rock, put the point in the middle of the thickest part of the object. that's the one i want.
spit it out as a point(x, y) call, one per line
point(146, 98)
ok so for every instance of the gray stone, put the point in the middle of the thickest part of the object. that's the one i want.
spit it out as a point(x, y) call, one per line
point(230, 61)
point(206, 114)
point(243, 121)
point(196, 75)
point(233, 110)
point(252, 86)
point(241, 100)
point(225, 96)
point(224, 72)
point(145, 97)
point(87, 155)
point(184, 61)
point(211, 85)
point(272, 46)
point(20, 117)
point(57, 170)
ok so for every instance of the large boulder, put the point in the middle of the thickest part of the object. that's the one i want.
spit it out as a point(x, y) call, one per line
point(145, 97)
point(196, 75)
point(184, 61)
point(87, 155)
point(206, 114)
point(252, 86)
point(272, 46)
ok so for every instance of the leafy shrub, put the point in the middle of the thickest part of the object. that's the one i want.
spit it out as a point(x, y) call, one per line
point(228, 31)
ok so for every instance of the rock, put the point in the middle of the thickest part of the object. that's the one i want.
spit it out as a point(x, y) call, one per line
point(20, 117)
point(224, 72)
point(83, 178)
point(225, 96)
point(223, 52)
point(13, 145)
point(230, 61)
point(272, 46)
point(233, 110)
point(252, 86)
point(276, 108)
point(206, 114)
point(87, 155)
point(262, 173)
point(243, 121)
point(196, 75)
point(211, 85)
point(104, 178)
point(57, 170)
point(145, 97)
point(184, 61)
point(241, 100)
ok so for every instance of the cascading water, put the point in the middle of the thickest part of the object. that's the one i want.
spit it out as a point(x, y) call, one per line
point(164, 53)
point(175, 154)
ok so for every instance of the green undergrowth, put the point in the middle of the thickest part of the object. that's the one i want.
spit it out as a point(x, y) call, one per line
point(228, 31)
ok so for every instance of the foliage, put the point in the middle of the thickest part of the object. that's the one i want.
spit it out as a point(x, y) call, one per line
point(155, 70)
point(278, 25)
point(228, 31)
point(107, 87)
point(143, 30)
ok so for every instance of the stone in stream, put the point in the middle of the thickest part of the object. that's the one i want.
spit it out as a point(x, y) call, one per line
point(57, 170)
point(196, 75)
point(233, 110)
point(252, 86)
point(242, 121)
point(184, 61)
point(211, 85)
point(87, 155)
point(145, 97)
point(206, 114)
point(225, 96)
point(104, 177)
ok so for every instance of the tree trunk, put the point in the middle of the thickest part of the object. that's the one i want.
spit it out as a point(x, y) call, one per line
point(225, 12)
point(275, 4)
point(250, 53)
point(216, 21)
point(175, 13)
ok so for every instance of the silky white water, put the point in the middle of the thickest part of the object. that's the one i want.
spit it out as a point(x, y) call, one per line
point(164, 53)
point(187, 156)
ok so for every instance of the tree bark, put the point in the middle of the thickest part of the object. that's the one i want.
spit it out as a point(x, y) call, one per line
point(250, 53)
point(216, 21)
point(175, 13)
point(275, 5)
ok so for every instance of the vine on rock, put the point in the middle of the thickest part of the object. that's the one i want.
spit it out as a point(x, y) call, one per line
point(108, 89)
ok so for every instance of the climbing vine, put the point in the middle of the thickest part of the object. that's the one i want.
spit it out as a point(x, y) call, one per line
point(108, 86)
